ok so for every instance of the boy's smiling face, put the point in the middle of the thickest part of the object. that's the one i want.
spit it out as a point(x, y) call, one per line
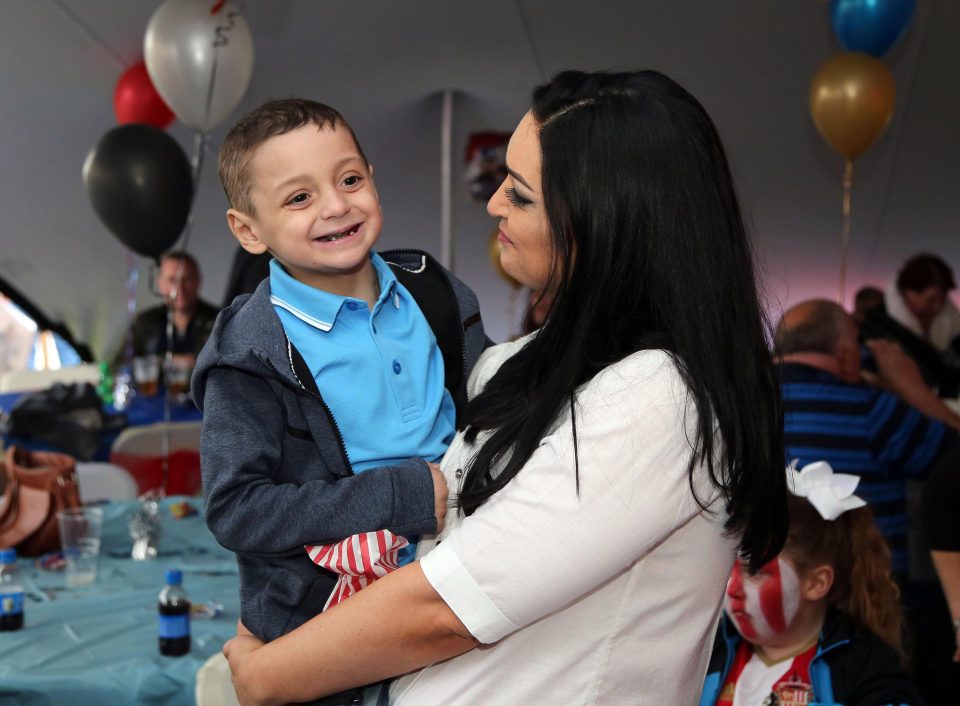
point(317, 209)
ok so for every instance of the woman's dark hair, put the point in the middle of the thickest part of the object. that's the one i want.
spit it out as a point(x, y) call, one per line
point(923, 271)
point(650, 253)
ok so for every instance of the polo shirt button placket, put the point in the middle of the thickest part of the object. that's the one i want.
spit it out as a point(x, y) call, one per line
point(396, 367)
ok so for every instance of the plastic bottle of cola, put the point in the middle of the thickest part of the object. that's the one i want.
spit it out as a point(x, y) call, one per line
point(11, 591)
point(174, 610)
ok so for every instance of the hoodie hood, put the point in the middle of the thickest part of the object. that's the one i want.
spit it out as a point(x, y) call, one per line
point(248, 336)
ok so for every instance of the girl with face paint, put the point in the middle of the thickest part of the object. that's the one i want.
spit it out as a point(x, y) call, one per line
point(819, 624)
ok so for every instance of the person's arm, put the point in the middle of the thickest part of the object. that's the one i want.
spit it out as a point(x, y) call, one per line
point(898, 373)
point(538, 546)
point(249, 510)
point(391, 627)
point(947, 566)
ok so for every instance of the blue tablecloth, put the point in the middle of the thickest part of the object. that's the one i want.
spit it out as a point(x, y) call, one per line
point(98, 644)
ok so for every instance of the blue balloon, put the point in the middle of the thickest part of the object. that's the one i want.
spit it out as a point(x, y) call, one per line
point(870, 26)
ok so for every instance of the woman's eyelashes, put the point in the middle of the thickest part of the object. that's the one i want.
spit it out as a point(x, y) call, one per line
point(514, 198)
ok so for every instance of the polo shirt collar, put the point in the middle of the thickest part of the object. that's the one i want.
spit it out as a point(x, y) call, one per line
point(320, 308)
point(388, 282)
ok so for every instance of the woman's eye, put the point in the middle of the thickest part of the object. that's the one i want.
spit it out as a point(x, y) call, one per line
point(298, 199)
point(514, 198)
point(351, 181)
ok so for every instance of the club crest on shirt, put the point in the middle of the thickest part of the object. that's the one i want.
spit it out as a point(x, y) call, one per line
point(792, 691)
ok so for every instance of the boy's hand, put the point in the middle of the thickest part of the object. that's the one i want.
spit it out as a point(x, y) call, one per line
point(439, 494)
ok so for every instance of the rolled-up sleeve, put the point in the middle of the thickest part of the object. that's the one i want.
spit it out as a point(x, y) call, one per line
point(538, 545)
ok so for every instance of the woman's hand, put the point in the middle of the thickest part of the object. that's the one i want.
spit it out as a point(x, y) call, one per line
point(237, 651)
point(383, 641)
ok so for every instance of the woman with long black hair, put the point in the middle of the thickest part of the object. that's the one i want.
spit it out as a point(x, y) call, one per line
point(609, 466)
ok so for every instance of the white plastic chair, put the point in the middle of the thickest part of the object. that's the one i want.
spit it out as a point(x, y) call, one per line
point(140, 450)
point(214, 683)
point(147, 439)
point(105, 481)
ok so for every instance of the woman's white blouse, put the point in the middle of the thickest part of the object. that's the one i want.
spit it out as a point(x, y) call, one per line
point(609, 596)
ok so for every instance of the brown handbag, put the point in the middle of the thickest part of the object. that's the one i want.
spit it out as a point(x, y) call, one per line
point(34, 486)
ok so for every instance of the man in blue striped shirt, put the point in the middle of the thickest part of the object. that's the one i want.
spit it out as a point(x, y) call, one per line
point(885, 432)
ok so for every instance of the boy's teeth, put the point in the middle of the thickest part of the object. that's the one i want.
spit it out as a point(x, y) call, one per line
point(336, 236)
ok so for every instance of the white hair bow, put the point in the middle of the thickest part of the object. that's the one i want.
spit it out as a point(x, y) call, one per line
point(830, 493)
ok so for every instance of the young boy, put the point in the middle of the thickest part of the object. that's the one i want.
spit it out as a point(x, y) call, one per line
point(324, 391)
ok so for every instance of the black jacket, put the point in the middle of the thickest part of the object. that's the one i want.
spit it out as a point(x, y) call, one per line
point(852, 667)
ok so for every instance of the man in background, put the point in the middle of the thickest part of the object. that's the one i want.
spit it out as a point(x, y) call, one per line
point(178, 282)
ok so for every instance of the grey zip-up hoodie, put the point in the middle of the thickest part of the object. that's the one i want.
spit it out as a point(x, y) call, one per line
point(275, 472)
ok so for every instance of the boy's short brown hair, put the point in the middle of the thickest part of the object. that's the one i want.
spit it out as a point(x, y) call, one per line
point(275, 117)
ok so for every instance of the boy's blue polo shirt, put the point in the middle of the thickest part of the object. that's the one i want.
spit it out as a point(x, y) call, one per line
point(380, 373)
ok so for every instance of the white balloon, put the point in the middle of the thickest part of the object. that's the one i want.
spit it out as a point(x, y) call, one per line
point(183, 44)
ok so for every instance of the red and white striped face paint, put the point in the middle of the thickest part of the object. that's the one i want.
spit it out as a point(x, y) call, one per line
point(764, 605)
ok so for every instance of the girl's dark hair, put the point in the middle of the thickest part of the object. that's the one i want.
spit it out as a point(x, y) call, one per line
point(863, 587)
point(650, 253)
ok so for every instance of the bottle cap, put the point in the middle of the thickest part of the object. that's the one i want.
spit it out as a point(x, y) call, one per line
point(8, 556)
point(173, 577)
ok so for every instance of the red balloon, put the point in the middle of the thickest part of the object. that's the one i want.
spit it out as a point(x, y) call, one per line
point(135, 100)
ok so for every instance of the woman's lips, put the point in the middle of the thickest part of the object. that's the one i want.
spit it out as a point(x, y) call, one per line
point(502, 237)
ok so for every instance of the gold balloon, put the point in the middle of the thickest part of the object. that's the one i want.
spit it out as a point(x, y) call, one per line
point(851, 101)
point(493, 252)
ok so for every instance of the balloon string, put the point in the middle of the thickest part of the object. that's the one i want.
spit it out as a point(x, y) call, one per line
point(220, 40)
point(845, 238)
point(199, 150)
point(133, 275)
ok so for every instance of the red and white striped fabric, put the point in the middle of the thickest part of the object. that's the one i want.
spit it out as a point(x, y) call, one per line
point(360, 559)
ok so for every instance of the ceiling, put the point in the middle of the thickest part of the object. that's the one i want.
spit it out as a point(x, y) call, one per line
point(384, 64)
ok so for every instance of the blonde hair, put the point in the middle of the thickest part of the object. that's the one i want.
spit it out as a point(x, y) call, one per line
point(863, 586)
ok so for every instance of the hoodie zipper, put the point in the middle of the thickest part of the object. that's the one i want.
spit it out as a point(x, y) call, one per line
point(300, 387)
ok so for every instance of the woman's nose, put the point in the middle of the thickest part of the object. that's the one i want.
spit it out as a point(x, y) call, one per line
point(495, 206)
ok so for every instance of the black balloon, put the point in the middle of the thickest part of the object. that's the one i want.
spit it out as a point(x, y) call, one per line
point(140, 184)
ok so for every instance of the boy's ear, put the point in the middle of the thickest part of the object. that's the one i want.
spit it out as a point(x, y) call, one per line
point(241, 225)
point(818, 582)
